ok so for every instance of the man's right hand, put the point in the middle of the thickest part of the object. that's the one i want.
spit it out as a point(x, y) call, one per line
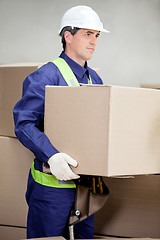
point(59, 166)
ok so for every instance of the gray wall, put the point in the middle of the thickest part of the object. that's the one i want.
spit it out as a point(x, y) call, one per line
point(128, 56)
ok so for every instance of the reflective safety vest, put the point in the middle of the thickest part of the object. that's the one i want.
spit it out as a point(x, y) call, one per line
point(67, 73)
point(45, 178)
point(49, 179)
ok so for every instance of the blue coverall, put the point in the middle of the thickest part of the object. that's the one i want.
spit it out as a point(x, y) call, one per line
point(49, 207)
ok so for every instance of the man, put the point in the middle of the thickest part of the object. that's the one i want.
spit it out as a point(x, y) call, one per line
point(50, 197)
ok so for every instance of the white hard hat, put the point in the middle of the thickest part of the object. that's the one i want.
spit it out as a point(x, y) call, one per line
point(82, 17)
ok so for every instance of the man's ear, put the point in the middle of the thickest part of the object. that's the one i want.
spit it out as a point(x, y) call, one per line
point(67, 36)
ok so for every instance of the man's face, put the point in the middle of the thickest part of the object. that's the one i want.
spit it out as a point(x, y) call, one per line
point(82, 45)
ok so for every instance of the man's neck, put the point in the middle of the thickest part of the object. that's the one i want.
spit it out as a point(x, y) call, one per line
point(74, 58)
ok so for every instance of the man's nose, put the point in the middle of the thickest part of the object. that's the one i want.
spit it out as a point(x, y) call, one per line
point(93, 41)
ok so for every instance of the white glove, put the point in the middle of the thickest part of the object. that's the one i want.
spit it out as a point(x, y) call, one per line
point(59, 166)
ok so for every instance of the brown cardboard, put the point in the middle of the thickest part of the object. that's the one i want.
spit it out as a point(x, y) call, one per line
point(49, 238)
point(109, 130)
point(117, 238)
point(155, 86)
point(15, 162)
point(11, 79)
point(12, 233)
point(133, 208)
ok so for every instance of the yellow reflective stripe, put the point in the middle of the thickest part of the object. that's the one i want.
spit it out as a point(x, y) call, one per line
point(44, 178)
point(66, 72)
point(47, 179)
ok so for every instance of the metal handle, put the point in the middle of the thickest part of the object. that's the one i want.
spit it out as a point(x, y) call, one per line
point(71, 232)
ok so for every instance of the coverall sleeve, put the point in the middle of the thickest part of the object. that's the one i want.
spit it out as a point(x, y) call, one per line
point(29, 113)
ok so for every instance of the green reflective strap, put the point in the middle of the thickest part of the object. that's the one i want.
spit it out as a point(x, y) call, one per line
point(48, 180)
point(67, 73)
point(44, 178)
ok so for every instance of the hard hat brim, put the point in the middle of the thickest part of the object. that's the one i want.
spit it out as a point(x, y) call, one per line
point(100, 30)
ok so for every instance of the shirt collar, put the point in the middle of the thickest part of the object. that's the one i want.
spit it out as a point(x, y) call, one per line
point(76, 68)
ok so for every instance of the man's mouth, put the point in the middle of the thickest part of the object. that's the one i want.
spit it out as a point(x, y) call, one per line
point(91, 49)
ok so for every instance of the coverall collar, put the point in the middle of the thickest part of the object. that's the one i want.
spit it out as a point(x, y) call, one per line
point(76, 68)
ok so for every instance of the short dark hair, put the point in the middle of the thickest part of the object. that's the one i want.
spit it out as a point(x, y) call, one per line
point(72, 30)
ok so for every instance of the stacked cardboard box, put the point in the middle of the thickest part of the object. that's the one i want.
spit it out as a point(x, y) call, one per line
point(11, 79)
point(133, 208)
point(117, 134)
point(154, 86)
point(12, 233)
point(50, 238)
point(113, 131)
point(15, 159)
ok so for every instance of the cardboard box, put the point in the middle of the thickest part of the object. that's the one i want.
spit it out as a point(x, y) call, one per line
point(49, 238)
point(109, 130)
point(11, 79)
point(133, 208)
point(117, 238)
point(12, 233)
point(155, 86)
point(15, 162)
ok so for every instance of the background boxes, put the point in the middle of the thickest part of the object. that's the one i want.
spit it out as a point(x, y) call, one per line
point(15, 161)
point(134, 204)
point(11, 80)
point(12, 233)
point(109, 130)
point(154, 86)
point(133, 208)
